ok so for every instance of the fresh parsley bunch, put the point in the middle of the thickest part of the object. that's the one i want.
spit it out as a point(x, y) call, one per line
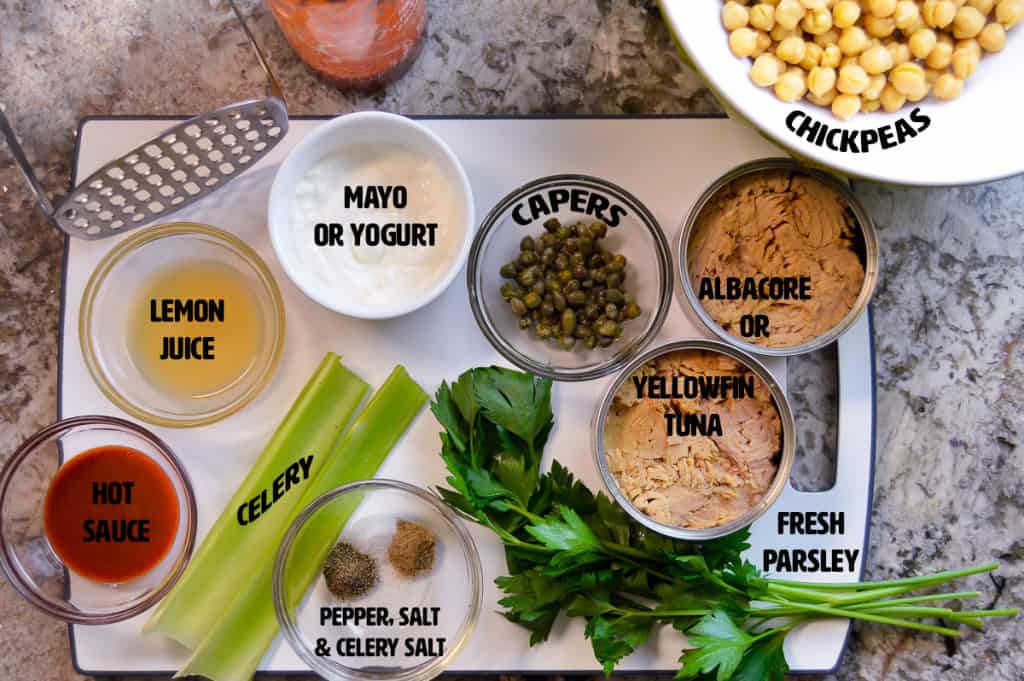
point(569, 551)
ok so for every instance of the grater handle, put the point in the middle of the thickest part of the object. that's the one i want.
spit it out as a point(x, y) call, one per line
point(26, 168)
point(273, 88)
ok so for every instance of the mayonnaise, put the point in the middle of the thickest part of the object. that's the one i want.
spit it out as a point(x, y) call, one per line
point(375, 223)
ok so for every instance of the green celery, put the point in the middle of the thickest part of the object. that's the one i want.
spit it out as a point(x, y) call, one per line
point(235, 646)
point(218, 571)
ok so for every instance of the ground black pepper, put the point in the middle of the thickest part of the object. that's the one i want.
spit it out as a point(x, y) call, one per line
point(349, 573)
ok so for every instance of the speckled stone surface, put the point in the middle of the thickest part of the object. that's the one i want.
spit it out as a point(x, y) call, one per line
point(948, 315)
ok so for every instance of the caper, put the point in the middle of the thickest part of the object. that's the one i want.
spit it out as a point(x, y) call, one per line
point(527, 277)
point(577, 298)
point(518, 306)
point(583, 330)
point(524, 323)
point(589, 342)
point(598, 275)
point(613, 279)
point(544, 330)
point(628, 297)
point(581, 229)
point(535, 315)
point(608, 329)
point(568, 322)
point(527, 244)
point(613, 295)
point(558, 300)
point(579, 272)
point(631, 311)
point(591, 311)
point(547, 309)
point(552, 224)
point(570, 286)
point(563, 233)
point(527, 258)
point(509, 270)
point(605, 341)
point(611, 311)
point(509, 289)
point(548, 241)
point(538, 286)
point(547, 256)
point(571, 245)
point(565, 276)
point(532, 300)
point(587, 283)
point(577, 259)
point(598, 230)
point(561, 261)
point(596, 260)
point(618, 262)
point(586, 245)
point(566, 342)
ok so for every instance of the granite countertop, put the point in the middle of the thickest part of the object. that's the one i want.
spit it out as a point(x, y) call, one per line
point(948, 314)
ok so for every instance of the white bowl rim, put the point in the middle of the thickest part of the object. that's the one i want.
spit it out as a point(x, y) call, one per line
point(280, 193)
point(675, 14)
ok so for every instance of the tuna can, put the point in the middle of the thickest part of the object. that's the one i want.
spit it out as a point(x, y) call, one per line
point(866, 248)
point(785, 456)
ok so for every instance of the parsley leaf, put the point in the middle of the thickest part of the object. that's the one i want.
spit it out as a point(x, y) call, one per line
point(719, 644)
point(764, 661)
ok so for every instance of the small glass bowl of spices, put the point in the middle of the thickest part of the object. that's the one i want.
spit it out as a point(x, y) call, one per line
point(569, 277)
point(377, 579)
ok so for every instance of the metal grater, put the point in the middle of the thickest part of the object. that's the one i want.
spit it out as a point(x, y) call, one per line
point(173, 170)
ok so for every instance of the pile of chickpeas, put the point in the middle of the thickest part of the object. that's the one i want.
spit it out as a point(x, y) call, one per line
point(866, 55)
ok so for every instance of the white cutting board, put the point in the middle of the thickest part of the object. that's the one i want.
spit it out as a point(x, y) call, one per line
point(667, 163)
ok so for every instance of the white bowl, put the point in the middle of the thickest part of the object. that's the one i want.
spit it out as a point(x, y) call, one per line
point(365, 127)
point(976, 138)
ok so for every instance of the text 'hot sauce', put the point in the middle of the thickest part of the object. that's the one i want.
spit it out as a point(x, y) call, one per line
point(111, 514)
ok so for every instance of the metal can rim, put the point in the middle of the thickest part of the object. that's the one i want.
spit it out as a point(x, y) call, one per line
point(871, 265)
point(787, 455)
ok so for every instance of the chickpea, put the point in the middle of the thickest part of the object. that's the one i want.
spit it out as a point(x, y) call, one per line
point(983, 6)
point(909, 81)
point(831, 56)
point(968, 22)
point(791, 50)
point(846, 106)
point(743, 42)
point(876, 59)
point(942, 55)
point(812, 56)
point(892, 100)
point(875, 87)
point(898, 52)
point(734, 15)
point(852, 80)
point(829, 37)
point(879, 27)
point(820, 80)
point(922, 43)
point(938, 13)
point(965, 60)
point(822, 100)
point(779, 33)
point(788, 13)
point(992, 38)
point(853, 41)
point(762, 16)
point(817, 21)
point(906, 14)
point(845, 13)
point(882, 8)
point(948, 86)
point(814, 5)
point(764, 43)
point(765, 71)
point(1009, 12)
point(870, 105)
point(791, 86)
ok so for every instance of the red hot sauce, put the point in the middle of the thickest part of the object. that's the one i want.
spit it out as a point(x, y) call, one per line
point(111, 514)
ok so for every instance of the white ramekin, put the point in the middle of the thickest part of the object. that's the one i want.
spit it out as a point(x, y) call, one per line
point(364, 127)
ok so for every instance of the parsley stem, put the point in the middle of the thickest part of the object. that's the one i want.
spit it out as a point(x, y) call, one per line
point(869, 617)
point(923, 580)
point(958, 595)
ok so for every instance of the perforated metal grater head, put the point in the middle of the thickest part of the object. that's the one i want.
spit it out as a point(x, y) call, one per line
point(173, 170)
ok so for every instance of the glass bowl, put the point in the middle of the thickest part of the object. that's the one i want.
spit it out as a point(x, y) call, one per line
point(105, 322)
point(522, 213)
point(785, 461)
point(31, 565)
point(446, 599)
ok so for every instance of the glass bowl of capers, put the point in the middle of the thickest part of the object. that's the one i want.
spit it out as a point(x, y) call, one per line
point(569, 277)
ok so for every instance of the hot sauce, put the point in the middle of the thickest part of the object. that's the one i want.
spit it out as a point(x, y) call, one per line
point(111, 514)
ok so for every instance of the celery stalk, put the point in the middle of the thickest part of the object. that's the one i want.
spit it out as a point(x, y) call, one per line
point(222, 565)
point(235, 646)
